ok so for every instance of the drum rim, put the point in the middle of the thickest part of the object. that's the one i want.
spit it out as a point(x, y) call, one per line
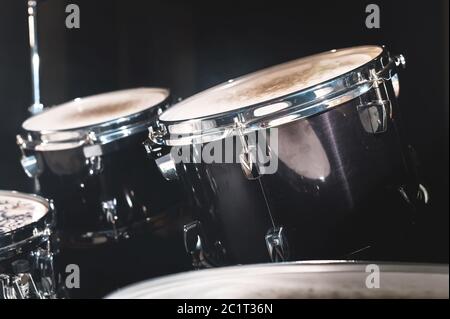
point(96, 134)
point(300, 104)
point(37, 231)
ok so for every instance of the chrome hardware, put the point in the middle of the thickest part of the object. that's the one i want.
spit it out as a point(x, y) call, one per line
point(404, 195)
point(400, 60)
point(277, 244)
point(374, 113)
point(37, 106)
point(423, 195)
point(396, 84)
point(20, 284)
point(247, 157)
point(204, 255)
point(43, 264)
point(157, 133)
point(163, 159)
point(30, 164)
point(93, 153)
point(110, 210)
point(6, 288)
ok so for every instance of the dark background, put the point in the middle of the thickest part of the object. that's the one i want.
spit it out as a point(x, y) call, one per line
point(189, 46)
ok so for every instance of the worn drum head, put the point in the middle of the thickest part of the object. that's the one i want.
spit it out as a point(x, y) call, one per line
point(20, 215)
point(95, 110)
point(272, 83)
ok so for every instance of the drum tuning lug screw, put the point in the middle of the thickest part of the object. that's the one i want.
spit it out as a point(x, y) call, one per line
point(277, 244)
point(91, 138)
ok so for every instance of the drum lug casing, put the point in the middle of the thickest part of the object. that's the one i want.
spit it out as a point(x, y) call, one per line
point(93, 153)
point(277, 244)
point(374, 113)
point(203, 253)
point(247, 156)
point(160, 154)
point(31, 166)
point(30, 163)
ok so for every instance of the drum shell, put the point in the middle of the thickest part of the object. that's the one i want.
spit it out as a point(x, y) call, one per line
point(126, 175)
point(360, 201)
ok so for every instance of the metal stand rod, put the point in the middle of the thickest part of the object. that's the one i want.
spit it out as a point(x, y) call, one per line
point(37, 106)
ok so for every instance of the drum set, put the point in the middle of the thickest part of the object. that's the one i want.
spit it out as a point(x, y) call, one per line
point(301, 161)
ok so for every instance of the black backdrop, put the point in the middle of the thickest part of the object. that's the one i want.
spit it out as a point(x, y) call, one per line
point(189, 46)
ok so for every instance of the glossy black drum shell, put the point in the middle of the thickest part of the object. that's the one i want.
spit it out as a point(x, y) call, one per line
point(359, 204)
point(126, 175)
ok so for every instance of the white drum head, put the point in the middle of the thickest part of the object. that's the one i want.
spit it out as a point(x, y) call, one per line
point(96, 109)
point(302, 280)
point(271, 83)
point(19, 210)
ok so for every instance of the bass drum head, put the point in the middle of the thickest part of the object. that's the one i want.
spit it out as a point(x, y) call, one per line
point(298, 280)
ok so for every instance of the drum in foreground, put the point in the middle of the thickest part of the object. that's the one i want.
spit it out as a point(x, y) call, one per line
point(300, 280)
point(301, 161)
point(26, 256)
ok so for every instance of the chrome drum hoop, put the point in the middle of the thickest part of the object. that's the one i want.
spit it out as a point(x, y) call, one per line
point(302, 104)
point(101, 134)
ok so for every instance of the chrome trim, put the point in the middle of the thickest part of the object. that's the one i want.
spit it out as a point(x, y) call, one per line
point(423, 195)
point(277, 244)
point(302, 104)
point(101, 134)
point(37, 106)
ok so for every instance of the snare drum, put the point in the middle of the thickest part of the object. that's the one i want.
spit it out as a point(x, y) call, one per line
point(331, 177)
point(26, 255)
point(87, 156)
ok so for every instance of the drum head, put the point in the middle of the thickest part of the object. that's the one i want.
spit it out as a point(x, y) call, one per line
point(272, 83)
point(20, 210)
point(298, 280)
point(95, 110)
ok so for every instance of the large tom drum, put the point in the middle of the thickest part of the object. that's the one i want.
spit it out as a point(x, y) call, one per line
point(304, 160)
